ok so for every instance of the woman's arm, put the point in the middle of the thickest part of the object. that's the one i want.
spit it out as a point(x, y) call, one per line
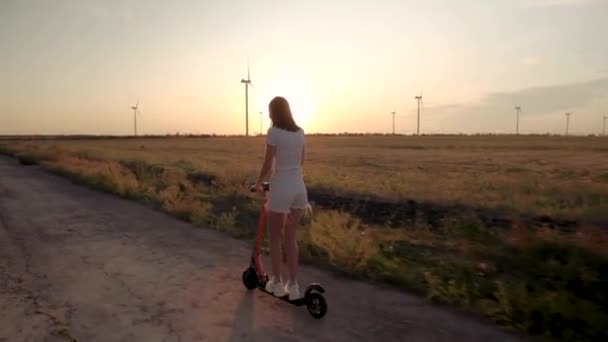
point(268, 163)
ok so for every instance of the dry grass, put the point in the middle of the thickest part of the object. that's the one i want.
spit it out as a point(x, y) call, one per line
point(543, 281)
point(541, 175)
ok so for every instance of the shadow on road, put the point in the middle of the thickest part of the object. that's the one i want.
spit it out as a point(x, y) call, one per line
point(242, 325)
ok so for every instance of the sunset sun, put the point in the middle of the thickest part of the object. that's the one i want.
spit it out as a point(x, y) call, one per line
point(300, 97)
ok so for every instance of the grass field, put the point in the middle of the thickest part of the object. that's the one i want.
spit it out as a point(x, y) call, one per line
point(510, 227)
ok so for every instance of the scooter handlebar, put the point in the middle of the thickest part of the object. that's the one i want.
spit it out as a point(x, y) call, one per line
point(265, 187)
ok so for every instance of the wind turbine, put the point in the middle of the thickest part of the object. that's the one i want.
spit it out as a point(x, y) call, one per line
point(247, 84)
point(518, 109)
point(604, 125)
point(419, 100)
point(393, 113)
point(135, 111)
point(567, 122)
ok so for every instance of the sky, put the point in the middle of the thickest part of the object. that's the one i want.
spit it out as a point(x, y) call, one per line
point(77, 66)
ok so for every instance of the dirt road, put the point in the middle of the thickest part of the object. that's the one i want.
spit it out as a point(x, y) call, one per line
point(78, 265)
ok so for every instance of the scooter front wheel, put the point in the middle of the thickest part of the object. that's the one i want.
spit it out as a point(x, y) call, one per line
point(316, 305)
point(250, 278)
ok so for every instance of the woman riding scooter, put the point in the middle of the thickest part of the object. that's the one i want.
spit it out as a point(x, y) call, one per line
point(288, 197)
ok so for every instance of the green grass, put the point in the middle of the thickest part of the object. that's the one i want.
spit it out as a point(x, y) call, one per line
point(542, 281)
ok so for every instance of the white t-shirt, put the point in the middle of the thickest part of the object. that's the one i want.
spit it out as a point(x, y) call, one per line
point(289, 147)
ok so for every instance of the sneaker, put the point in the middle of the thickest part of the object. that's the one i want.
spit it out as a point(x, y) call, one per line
point(274, 287)
point(293, 289)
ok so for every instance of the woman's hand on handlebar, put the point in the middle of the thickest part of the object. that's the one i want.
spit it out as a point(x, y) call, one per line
point(257, 187)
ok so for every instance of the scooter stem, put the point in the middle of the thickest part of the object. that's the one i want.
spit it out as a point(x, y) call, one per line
point(259, 236)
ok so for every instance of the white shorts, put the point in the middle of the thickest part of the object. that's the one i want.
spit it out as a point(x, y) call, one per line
point(287, 191)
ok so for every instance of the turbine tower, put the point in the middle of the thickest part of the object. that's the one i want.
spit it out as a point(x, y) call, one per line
point(261, 122)
point(604, 125)
point(518, 109)
point(135, 111)
point(393, 113)
point(419, 100)
point(247, 83)
point(568, 122)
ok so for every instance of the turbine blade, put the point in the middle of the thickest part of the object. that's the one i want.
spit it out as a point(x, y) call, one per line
point(248, 77)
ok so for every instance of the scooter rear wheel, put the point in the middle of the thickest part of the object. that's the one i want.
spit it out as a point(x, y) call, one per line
point(250, 278)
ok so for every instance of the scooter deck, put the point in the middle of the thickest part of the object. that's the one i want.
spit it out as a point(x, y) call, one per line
point(297, 302)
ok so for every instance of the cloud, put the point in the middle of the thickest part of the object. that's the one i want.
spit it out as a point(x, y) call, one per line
point(540, 105)
point(101, 10)
point(88, 8)
point(557, 3)
point(532, 60)
point(549, 99)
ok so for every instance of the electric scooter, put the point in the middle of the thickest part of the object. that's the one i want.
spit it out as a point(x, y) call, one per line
point(255, 276)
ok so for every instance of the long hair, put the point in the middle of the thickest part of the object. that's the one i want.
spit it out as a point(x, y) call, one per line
point(280, 114)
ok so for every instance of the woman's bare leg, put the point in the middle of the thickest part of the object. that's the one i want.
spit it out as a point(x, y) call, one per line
point(290, 242)
point(276, 222)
